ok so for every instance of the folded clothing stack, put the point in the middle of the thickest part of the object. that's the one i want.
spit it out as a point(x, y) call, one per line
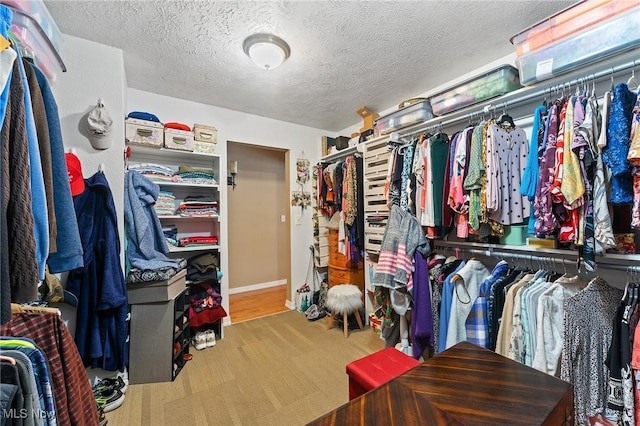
point(200, 175)
point(171, 235)
point(165, 204)
point(155, 172)
point(198, 241)
point(198, 205)
point(204, 267)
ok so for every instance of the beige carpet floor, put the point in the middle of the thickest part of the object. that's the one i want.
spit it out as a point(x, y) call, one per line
point(277, 370)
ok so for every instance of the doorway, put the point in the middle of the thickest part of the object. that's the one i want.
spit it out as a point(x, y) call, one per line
point(259, 235)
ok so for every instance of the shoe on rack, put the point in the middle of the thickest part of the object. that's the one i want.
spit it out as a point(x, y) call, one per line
point(109, 398)
point(211, 338)
point(200, 341)
point(112, 382)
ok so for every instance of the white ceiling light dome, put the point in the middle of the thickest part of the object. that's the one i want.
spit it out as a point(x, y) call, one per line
point(266, 50)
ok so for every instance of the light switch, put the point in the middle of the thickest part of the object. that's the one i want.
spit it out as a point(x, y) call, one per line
point(283, 218)
point(298, 219)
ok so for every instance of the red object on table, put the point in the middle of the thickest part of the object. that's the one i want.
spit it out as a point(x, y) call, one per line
point(375, 370)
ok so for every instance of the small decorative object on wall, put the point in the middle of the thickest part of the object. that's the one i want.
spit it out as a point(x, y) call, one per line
point(302, 168)
point(301, 198)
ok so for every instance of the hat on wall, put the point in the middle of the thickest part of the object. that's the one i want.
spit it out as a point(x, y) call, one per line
point(100, 126)
point(74, 170)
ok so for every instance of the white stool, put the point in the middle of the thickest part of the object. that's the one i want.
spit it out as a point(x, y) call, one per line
point(345, 299)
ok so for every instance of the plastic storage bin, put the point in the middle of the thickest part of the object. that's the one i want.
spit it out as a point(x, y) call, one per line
point(404, 117)
point(614, 35)
point(143, 132)
point(494, 83)
point(35, 41)
point(178, 139)
point(566, 22)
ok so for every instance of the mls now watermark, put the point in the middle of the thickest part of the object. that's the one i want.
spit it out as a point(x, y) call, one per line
point(23, 413)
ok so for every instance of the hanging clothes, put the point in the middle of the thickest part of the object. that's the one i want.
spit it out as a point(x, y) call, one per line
point(17, 202)
point(101, 330)
point(74, 401)
point(588, 319)
point(614, 154)
point(507, 149)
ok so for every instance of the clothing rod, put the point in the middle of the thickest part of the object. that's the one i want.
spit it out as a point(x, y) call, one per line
point(480, 108)
point(490, 252)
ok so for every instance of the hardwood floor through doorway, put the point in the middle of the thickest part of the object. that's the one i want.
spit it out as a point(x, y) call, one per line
point(258, 303)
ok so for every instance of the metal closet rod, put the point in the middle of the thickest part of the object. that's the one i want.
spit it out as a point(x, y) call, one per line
point(591, 77)
point(489, 252)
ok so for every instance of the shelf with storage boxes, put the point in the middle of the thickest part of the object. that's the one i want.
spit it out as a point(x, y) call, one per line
point(188, 203)
point(320, 230)
point(188, 200)
point(376, 159)
point(182, 332)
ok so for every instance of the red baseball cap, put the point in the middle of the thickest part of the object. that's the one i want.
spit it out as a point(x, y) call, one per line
point(74, 170)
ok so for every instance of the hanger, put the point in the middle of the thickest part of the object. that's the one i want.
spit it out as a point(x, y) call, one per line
point(20, 309)
point(10, 360)
point(101, 167)
point(506, 119)
point(632, 83)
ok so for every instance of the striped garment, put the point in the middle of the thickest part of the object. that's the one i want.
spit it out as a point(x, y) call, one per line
point(402, 237)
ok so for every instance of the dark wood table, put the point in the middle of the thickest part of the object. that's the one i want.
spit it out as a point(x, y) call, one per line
point(464, 385)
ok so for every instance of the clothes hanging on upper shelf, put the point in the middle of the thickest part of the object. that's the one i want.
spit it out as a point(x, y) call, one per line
point(37, 223)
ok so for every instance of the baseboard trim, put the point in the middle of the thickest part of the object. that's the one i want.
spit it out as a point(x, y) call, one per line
point(255, 287)
point(291, 305)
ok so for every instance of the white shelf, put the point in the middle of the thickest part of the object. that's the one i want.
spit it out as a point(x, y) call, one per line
point(177, 216)
point(169, 153)
point(195, 248)
point(186, 184)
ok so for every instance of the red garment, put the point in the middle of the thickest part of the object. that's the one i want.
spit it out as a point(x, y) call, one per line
point(70, 385)
point(206, 316)
point(177, 126)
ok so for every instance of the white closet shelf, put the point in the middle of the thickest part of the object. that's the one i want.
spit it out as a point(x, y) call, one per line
point(185, 184)
point(195, 248)
point(172, 153)
point(177, 216)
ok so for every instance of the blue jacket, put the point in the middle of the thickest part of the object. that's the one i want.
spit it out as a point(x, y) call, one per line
point(101, 329)
point(69, 248)
point(38, 195)
point(146, 245)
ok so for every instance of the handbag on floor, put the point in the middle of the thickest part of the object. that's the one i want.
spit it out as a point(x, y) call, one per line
point(305, 294)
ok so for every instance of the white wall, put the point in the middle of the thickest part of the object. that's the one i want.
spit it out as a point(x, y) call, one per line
point(245, 128)
point(93, 71)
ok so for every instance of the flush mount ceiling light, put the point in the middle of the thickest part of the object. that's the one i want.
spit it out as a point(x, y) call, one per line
point(266, 50)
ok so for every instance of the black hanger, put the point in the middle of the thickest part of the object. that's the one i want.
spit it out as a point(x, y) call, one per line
point(505, 118)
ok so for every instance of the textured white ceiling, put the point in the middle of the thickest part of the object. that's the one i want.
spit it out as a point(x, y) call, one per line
point(344, 54)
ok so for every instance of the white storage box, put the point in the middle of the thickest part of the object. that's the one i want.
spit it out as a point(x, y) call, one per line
point(143, 132)
point(205, 139)
point(178, 139)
